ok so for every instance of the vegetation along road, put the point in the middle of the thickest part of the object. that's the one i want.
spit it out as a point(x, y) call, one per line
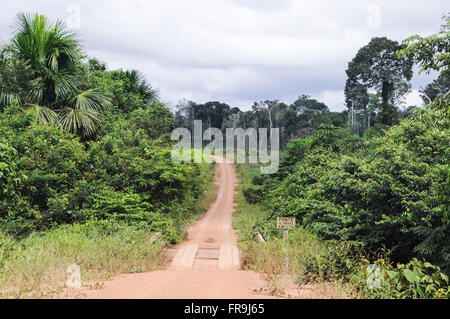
point(206, 265)
point(87, 181)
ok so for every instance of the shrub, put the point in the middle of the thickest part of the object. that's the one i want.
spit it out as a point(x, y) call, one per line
point(335, 261)
point(253, 194)
point(388, 194)
point(9, 179)
point(126, 206)
point(49, 177)
point(156, 120)
point(36, 266)
point(417, 279)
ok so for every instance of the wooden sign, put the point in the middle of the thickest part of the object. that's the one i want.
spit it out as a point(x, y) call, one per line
point(285, 223)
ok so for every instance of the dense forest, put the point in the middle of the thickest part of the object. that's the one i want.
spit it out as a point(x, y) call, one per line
point(79, 142)
point(375, 176)
point(84, 145)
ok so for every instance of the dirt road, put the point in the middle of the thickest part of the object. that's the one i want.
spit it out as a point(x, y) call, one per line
point(205, 266)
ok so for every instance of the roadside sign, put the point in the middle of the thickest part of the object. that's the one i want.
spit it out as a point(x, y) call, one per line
point(285, 223)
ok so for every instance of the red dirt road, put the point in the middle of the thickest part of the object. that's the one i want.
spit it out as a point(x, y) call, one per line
point(205, 266)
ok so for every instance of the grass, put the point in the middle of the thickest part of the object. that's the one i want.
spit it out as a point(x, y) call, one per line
point(335, 269)
point(299, 258)
point(35, 267)
point(207, 174)
point(246, 215)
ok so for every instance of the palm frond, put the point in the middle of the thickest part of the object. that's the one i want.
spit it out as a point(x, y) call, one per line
point(65, 83)
point(52, 53)
point(91, 100)
point(138, 84)
point(77, 121)
point(36, 93)
point(8, 98)
point(44, 115)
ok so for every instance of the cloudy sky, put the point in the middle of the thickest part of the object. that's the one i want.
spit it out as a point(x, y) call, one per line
point(237, 51)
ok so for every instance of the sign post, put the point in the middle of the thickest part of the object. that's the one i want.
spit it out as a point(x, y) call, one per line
point(285, 223)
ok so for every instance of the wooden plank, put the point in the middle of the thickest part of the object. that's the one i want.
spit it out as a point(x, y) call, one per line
point(185, 256)
point(207, 254)
point(224, 257)
point(210, 264)
point(229, 257)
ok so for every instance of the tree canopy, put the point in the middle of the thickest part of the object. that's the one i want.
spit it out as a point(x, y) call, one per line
point(377, 66)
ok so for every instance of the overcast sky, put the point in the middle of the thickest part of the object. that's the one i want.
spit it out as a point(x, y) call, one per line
point(237, 51)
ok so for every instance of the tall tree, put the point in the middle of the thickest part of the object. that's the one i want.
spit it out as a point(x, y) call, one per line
point(54, 87)
point(436, 89)
point(431, 53)
point(309, 113)
point(378, 67)
point(356, 99)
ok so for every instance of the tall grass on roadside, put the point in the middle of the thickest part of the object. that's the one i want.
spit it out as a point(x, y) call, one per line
point(342, 264)
point(302, 257)
point(207, 173)
point(35, 266)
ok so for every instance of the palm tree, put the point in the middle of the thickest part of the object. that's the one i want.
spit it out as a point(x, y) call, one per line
point(14, 80)
point(137, 83)
point(54, 87)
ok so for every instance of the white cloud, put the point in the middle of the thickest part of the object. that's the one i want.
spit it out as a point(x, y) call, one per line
point(334, 99)
point(237, 51)
point(413, 99)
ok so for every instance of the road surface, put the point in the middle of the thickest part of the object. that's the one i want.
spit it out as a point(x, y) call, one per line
point(205, 266)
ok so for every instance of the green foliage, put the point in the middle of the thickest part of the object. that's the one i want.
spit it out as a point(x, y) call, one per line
point(298, 120)
point(415, 280)
point(431, 53)
point(7, 171)
point(47, 161)
point(10, 181)
point(51, 178)
point(311, 259)
point(156, 121)
point(377, 65)
point(128, 90)
point(253, 194)
point(47, 60)
point(335, 261)
point(108, 203)
point(34, 267)
point(436, 89)
point(387, 193)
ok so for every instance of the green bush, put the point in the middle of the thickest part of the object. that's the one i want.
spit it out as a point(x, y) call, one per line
point(415, 280)
point(9, 179)
point(108, 203)
point(51, 178)
point(335, 261)
point(48, 162)
point(253, 194)
point(390, 193)
point(36, 266)
point(156, 120)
